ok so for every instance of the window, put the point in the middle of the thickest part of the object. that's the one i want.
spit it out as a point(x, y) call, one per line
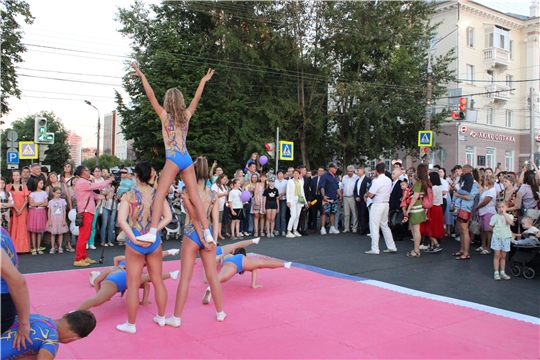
point(509, 160)
point(489, 119)
point(469, 155)
point(470, 74)
point(508, 117)
point(470, 37)
point(489, 76)
point(510, 82)
point(511, 49)
point(490, 157)
point(498, 37)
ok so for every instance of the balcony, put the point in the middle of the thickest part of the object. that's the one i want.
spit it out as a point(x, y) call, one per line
point(496, 58)
point(498, 93)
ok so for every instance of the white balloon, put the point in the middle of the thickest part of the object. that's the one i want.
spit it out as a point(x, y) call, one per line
point(71, 214)
point(74, 229)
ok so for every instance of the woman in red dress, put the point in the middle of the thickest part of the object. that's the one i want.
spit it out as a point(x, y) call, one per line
point(18, 231)
point(434, 225)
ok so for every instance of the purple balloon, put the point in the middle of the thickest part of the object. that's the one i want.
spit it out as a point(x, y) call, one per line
point(245, 196)
point(263, 160)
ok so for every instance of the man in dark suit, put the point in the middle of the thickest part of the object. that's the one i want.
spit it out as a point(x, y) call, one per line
point(315, 195)
point(395, 202)
point(360, 189)
point(306, 180)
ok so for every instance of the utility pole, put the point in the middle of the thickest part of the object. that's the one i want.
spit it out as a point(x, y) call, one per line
point(532, 123)
point(98, 129)
point(429, 92)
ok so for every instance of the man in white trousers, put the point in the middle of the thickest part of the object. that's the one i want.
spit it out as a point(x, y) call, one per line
point(349, 203)
point(379, 192)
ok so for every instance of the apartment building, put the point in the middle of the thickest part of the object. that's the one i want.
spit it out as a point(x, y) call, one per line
point(75, 147)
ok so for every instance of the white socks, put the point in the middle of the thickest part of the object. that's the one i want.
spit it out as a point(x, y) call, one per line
point(220, 315)
point(127, 327)
point(174, 274)
point(173, 252)
point(153, 231)
point(173, 321)
point(287, 265)
point(256, 240)
point(160, 320)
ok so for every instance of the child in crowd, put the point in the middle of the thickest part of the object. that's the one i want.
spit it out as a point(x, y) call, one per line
point(270, 206)
point(500, 242)
point(237, 209)
point(529, 236)
point(406, 198)
point(57, 220)
point(37, 216)
point(6, 203)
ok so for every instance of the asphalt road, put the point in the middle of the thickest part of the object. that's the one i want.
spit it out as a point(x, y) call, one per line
point(438, 273)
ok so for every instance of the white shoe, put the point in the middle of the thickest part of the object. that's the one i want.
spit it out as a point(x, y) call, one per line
point(297, 234)
point(276, 233)
point(345, 231)
point(424, 247)
point(127, 327)
point(371, 252)
point(256, 240)
point(173, 252)
point(390, 251)
point(323, 231)
point(172, 321)
point(333, 230)
point(290, 235)
point(221, 317)
point(283, 233)
point(287, 265)
point(458, 238)
point(174, 274)
point(160, 320)
point(92, 247)
point(207, 296)
point(147, 238)
point(93, 276)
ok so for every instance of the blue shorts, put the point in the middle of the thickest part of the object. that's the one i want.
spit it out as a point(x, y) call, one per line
point(219, 250)
point(122, 263)
point(500, 244)
point(183, 161)
point(195, 238)
point(236, 260)
point(119, 279)
point(143, 250)
point(331, 207)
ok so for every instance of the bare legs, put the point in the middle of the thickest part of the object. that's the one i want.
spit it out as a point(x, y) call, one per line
point(106, 292)
point(270, 221)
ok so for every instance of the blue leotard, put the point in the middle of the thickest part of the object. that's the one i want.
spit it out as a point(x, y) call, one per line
point(207, 198)
point(119, 277)
point(175, 143)
point(236, 260)
point(8, 247)
point(123, 263)
point(43, 333)
point(219, 250)
point(145, 251)
point(140, 215)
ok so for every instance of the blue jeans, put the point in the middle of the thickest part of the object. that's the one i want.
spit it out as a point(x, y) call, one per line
point(246, 225)
point(108, 219)
point(281, 216)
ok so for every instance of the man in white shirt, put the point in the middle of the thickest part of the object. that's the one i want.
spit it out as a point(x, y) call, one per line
point(281, 219)
point(349, 203)
point(379, 192)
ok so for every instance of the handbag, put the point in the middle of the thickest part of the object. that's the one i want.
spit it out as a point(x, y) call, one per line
point(396, 218)
point(301, 199)
point(464, 215)
point(474, 226)
point(79, 216)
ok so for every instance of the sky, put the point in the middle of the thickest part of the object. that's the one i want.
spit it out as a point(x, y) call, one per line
point(75, 53)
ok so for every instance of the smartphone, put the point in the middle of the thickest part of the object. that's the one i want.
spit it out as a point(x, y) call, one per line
point(498, 164)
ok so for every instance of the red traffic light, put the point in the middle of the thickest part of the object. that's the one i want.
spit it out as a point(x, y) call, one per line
point(424, 150)
point(455, 115)
point(463, 101)
point(269, 146)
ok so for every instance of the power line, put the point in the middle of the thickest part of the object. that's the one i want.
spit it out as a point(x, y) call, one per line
point(78, 81)
point(70, 73)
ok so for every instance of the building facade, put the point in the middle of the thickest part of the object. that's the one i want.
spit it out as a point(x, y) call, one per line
point(88, 153)
point(498, 68)
point(109, 133)
point(123, 149)
point(75, 147)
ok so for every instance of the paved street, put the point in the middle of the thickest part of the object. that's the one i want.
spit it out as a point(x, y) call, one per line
point(440, 274)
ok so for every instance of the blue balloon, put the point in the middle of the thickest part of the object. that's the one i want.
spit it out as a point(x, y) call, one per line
point(245, 196)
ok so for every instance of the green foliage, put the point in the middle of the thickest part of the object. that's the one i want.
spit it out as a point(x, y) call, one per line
point(11, 46)
point(326, 73)
point(56, 155)
point(105, 162)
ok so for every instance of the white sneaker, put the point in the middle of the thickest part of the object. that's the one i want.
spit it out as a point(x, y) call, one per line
point(454, 235)
point(290, 235)
point(174, 274)
point(207, 296)
point(93, 276)
point(333, 230)
point(297, 234)
point(424, 247)
point(147, 238)
point(390, 251)
point(172, 321)
point(173, 252)
point(323, 231)
point(246, 233)
point(160, 320)
point(256, 240)
point(283, 233)
point(458, 238)
point(371, 252)
point(287, 265)
point(127, 327)
point(92, 247)
point(276, 233)
point(221, 316)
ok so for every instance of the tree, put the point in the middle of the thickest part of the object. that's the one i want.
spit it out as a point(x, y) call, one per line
point(105, 162)
point(12, 47)
point(56, 155)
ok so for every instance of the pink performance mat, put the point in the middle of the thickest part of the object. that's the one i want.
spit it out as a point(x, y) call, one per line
point(301, 313)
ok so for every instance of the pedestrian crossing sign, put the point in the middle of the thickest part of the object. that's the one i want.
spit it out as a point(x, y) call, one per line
point(28, 150)
point(286, 150)
point(425, 138)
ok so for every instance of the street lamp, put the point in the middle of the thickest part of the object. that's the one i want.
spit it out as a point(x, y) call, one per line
point(98, 129)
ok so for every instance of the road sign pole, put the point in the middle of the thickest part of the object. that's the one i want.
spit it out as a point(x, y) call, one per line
point(277, 149)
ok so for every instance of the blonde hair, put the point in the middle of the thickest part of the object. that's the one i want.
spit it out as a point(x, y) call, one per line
point(174, 105)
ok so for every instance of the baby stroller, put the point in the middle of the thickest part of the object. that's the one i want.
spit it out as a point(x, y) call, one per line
point(174, 228)
point(526, 261)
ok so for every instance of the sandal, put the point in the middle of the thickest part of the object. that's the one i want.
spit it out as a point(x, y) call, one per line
point(414, 254)
point(40, 252)
point(479, 249)
point(463, 257)
point(459, 253)
point(485, 252)
point(60, 251)
point(34, 252)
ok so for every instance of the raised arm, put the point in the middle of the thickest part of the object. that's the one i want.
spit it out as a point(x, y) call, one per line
point(148, 89)
point(198, 93)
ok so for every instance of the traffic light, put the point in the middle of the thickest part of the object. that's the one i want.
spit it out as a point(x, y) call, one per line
point(455, 115)
point(462, 108)
point(270, 149)
point(41, 136)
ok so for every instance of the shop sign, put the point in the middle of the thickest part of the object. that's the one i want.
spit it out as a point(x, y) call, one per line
point(488, 136)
